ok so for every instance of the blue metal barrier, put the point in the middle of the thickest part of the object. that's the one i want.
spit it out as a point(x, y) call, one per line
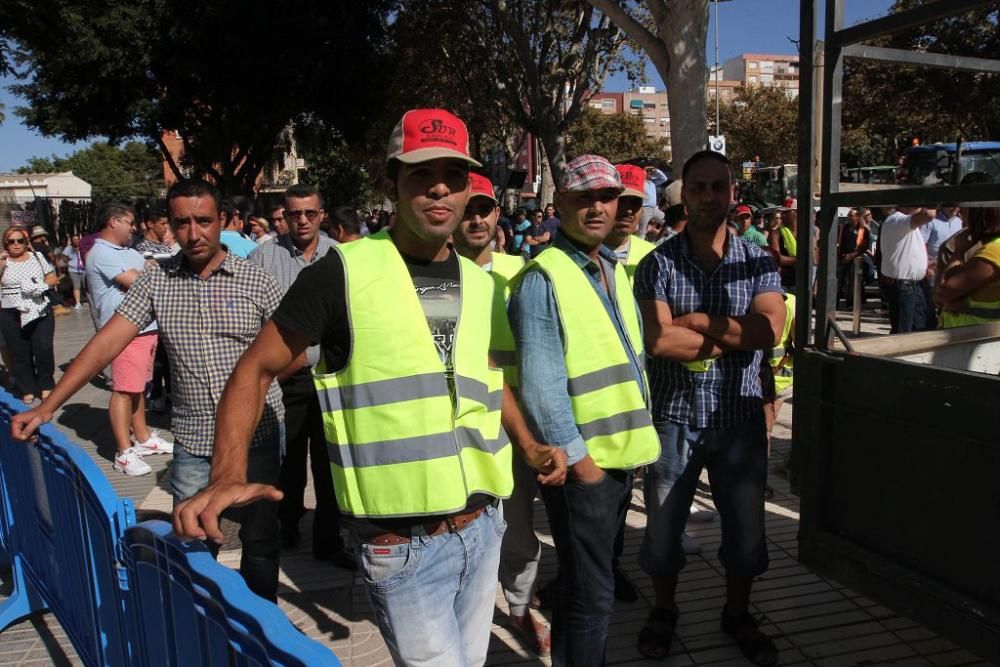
point(125, 594)
point(191, 611)
point(64, 522)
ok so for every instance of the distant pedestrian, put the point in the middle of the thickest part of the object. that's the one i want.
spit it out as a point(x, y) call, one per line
point(904, 266)
point(26, 318)
point(75, 268)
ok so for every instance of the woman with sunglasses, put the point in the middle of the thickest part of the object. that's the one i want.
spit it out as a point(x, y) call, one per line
point(25, 315)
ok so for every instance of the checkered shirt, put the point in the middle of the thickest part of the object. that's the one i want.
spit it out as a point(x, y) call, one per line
point(205, 325)
point(729, 392)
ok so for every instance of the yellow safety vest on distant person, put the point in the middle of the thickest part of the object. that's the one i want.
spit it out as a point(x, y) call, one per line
point(502, 350)
point(788, 238)
point(783, 375)
point(400, 443)
point(979, 311)
point(637, 249)
point(607, 401)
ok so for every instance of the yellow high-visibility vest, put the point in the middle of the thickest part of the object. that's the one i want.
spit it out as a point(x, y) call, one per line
point(783, 375)
point(607, 400)
point(637, 249)
point(400, 443)
point(978, 312)
point(502, 351)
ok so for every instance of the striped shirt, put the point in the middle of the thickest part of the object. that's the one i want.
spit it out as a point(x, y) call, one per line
point(205, 326)
point(729, 392)
point(23, 288)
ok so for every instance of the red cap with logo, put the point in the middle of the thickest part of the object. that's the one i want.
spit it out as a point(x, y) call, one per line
point(480, 186)
point(428, 134)
point(634, 180)
point(743, 210)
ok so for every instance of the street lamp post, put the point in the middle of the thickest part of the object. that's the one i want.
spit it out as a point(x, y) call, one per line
point(718, 130)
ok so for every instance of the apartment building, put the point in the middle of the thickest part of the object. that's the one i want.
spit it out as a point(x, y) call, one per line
point(758, 69)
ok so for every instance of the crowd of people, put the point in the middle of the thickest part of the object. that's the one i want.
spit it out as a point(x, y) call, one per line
point(441, 367)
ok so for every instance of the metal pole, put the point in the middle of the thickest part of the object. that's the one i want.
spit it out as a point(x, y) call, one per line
point(718, 131)
point(858, 293)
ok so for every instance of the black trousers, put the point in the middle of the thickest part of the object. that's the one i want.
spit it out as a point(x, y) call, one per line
point(304, 438)
point(32, 357)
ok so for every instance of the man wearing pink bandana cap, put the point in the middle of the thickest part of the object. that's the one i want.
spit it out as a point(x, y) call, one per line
point(583, 389)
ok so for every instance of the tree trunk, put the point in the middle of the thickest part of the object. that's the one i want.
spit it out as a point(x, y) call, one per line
point(686, 80)
point(553, 163)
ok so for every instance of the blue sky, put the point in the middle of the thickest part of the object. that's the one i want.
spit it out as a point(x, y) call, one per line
point(754, 26)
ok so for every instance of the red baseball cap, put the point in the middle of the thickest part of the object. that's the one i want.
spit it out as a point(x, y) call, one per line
point(634, 180)
point(427, 134)
point(480, 186)
point(743, 210)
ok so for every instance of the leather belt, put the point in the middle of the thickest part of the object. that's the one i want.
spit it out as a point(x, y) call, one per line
point(899, 281)
point(450, 524)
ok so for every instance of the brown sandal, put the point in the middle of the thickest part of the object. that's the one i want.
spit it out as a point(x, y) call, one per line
point(658, 633)
point(536, 636)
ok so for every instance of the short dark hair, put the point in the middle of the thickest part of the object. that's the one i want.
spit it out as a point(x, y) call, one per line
point(114, 209)
point(301, 191)
point(705, 155)
point(521, 211)
point(346, 217)
point(674, 214)
point(154, 213)
point(194, 187)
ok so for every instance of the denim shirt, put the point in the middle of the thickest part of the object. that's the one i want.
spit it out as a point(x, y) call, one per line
point(538, 336)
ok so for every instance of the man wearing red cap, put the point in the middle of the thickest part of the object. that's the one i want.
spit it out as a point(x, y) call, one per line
point(622, 241)
point(411, 408)
point(583, 388)
point(521, 550)
point(744, 223)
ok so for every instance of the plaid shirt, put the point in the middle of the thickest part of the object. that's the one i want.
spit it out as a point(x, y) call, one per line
point(205, 325)
point(729, 392)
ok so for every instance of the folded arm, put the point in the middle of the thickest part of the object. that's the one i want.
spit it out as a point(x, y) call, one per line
point(665, 338)
point(757, 330)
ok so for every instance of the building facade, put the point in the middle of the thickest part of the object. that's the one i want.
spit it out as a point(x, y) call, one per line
point(768, 70)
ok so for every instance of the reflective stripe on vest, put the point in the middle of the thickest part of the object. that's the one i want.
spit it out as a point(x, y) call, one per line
point(637, 249)
point(503, 269)
point(401, 442)
point(607, 401)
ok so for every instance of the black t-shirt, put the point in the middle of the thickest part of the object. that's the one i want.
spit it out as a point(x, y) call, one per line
point(316, 307)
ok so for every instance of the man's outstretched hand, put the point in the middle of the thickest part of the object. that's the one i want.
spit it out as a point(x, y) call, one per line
point(198, 516)
point(24, 425)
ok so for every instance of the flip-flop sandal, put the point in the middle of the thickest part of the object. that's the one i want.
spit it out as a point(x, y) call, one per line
point(754, 644)
point(540, 642)
point(658, 633)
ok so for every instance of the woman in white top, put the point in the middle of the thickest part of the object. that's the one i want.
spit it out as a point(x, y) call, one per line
point(25, 316)
point(75, 267)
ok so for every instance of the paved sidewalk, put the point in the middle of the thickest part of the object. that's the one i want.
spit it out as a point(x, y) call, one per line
point(815, 620)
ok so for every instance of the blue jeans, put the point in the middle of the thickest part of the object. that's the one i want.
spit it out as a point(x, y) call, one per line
point(433, 598)
point(907, 307)
point(258, 521)
point(584, 521)
point(736, 458)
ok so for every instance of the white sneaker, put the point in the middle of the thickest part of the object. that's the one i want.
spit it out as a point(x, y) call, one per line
point(690, 545)
point(155, 445)
point(131, 463)
point(701, 515)
point(77, 307)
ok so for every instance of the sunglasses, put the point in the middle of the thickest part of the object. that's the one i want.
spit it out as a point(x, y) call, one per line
point(17, 241)
point(295, 214)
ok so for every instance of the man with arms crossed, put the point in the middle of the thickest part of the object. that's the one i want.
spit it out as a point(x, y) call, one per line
point(711, 302)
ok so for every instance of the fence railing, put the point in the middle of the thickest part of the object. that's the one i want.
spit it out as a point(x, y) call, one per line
point(125, 594)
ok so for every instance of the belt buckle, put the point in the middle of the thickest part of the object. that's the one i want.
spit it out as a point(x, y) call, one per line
point(452, 526)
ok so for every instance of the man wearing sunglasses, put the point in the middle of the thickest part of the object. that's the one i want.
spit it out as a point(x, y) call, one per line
point(284, 258)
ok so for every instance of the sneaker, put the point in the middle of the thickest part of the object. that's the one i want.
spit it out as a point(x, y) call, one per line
point(131, 463)
point(77, 307)
point(690, 545)
point(155, 445)
point(701, 515)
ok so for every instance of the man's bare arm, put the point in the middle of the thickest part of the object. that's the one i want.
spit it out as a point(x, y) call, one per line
point(759, 329)
point(665, 340)
point(126, 278)
point(921, 217)
point(107, 344)
point(270, 353)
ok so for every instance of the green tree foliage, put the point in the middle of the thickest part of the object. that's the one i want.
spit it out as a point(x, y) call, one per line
point(337, 172)
point(618, 137)
point(134, 170)
point(892, 103)
point(229, 76)
point(760, 121)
